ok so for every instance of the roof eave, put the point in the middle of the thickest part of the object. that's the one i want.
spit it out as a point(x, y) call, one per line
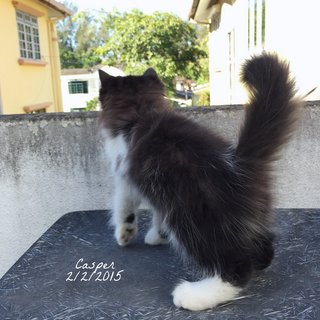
point(58, 7)
point(193, 9)
point(206, 11)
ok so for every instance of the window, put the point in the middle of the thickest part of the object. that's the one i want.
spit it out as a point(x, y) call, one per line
point(232, 73)
point(78, 87)
point(77, 109)
point(28, 32)
point(38, 111)
point(256, 24)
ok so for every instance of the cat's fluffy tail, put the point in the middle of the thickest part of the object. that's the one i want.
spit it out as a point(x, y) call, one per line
point(272, 111)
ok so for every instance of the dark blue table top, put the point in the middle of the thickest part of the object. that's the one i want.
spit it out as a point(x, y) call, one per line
point(54, 279)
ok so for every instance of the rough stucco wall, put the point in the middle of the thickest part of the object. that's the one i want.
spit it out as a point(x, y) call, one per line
point(51, 164)
point(297, 176)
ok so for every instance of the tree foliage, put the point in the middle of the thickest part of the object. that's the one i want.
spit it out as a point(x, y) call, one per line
point(161, 40)
point(202, 38)
point(92, 104)
point(79, 37)
point(134, 41)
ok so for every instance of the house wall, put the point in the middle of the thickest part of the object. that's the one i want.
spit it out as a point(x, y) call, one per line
point(71, 101)
point(291, 30)
point(1, 108)
point(23, 85)
point(52, 164)
point(79, 100)
point(228, 47)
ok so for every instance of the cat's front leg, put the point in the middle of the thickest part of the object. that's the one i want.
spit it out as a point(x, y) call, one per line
point(155, 234)
point(124, 216)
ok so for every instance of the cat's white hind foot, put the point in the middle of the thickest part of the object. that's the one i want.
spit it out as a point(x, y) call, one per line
point(203, 294)
point(153, 237)
point(125, 233)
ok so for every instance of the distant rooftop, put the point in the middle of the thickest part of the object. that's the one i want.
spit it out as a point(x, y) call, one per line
point(113, 71)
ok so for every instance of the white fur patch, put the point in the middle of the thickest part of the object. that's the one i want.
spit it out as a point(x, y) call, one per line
point(153, 237)
point(126, 202)
point(125, 232)
point(203, 294)
point(126, 199)
point(116, 150)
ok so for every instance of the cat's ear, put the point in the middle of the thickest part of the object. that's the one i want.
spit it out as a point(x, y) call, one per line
point(150, 72)
point(104, 76)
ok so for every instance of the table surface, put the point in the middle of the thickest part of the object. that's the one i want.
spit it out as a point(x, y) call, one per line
point(56, 277)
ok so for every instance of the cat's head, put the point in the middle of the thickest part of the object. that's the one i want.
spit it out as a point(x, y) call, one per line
point(127, 100)
point(129, 87)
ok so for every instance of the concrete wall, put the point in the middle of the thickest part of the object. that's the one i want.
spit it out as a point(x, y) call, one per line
point(51, 164)
point(79, 100)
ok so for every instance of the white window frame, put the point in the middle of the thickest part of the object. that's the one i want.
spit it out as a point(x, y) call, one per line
point(29, 37)
point(256, 25)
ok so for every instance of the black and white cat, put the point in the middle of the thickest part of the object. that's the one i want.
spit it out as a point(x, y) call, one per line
point(211, 197)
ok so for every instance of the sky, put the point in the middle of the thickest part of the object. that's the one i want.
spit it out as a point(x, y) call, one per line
point(178, 7)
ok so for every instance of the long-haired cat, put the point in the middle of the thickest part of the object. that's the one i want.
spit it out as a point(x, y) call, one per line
point(211, 197)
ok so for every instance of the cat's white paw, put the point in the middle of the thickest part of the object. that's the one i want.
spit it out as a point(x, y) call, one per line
point(203, 294)
point(125, 233)
point(153, 238)
point(184, 297)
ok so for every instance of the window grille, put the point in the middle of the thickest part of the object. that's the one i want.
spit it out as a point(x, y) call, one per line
point(28, 32)
point(76, 87)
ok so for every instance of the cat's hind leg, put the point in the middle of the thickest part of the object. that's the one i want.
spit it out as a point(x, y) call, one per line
point(155, 234)
point(204, 294)
point(125, 209)
point(227, 269)
point(215, 289)
point(263, 252)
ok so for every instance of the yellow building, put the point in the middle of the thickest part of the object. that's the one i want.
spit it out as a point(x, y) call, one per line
point(29, 56)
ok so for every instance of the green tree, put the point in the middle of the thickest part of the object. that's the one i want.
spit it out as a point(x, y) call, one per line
point(202, 38)
point(79, 36)
point(134, 41)
point(92, 104)
point(66, 31)
point(161, 40)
